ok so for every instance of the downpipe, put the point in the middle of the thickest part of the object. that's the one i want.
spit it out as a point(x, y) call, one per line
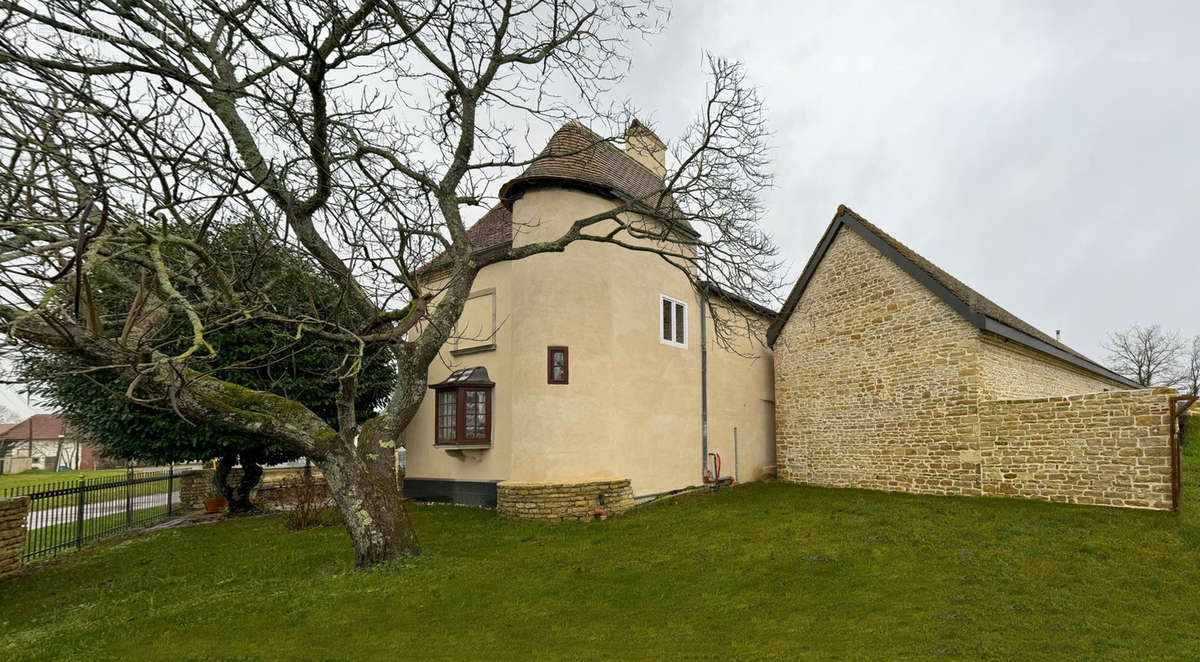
point(704, 475)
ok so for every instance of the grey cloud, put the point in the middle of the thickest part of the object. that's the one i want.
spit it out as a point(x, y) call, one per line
point(1044, 153)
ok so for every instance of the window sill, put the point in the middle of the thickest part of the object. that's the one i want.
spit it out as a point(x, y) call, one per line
point(467, 351)
point(463, 447)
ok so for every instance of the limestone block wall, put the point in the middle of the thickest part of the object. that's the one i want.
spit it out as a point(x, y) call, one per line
point(12, 534)
point(1103, 448)
point(196, 486)
point(880, 384)
point(1010, 371)
point(555, 502)
point(876, 381)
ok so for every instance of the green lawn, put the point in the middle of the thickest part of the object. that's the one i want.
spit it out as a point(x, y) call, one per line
point(761, 571)
point(38, 480)
point(94, 529)
point(40, 477)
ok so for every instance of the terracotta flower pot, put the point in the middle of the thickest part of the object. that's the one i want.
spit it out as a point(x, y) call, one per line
point(215, 504)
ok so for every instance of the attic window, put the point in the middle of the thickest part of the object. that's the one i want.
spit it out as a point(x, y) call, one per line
point(464, 409)
point(672, 319)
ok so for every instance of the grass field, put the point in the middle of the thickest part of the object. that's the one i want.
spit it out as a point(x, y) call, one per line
point(761, 571)
point(94, 529)
point(39, 477)
point(37, 480)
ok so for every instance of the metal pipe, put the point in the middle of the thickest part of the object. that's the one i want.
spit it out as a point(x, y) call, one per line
point(704, 381)
point(735, 456)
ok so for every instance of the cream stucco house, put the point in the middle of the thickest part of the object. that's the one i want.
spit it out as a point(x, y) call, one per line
point(583, 379)
point(579, 381)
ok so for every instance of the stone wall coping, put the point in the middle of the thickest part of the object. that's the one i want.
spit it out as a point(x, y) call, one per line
point(12, 501)
point(1098, 395)
point(616, 482)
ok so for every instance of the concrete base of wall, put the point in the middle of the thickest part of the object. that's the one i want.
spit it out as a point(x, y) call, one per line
point(555, 502)
point(461, 492)
point(12, 534)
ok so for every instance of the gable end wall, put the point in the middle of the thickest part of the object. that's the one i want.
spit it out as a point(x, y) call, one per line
point(876, 381)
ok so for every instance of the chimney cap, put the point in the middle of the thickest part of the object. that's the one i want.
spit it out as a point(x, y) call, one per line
point(636, 128)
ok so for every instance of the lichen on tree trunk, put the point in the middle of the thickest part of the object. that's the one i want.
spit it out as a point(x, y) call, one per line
point(370, 496)
point(363, 481)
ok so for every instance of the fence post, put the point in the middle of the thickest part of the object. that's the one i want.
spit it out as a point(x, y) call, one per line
point(170, 486)
point(79, 514)
point(129, 496)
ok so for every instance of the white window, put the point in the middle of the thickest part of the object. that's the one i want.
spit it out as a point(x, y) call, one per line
point(672, 317)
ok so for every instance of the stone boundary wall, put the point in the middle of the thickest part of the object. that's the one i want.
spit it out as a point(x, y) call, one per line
point(556, 502)
point(196, 486)
point(1110, 448)
point(12, 534)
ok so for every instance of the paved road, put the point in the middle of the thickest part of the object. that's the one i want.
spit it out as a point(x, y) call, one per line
point(52, 516)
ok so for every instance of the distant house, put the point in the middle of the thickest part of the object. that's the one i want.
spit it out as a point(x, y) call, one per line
point(43, 441)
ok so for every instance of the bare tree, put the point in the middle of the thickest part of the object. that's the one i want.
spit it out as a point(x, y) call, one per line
point(1189, 376)
point(131, 129)
point(1148, 355)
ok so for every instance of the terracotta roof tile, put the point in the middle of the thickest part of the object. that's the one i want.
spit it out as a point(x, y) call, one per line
point(574, 156)
point(38, 426)
point(491, 230)
point(577, 156)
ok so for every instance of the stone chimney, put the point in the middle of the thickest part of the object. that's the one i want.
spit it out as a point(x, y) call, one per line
point(646, 148)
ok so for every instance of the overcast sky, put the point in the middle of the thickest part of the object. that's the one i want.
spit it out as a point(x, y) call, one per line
point(1044, 154)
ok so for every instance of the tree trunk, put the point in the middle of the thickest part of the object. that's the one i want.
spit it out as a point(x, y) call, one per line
point(238, 495)
point(363, 482)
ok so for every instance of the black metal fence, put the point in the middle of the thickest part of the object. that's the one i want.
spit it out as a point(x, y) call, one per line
point(72, 513)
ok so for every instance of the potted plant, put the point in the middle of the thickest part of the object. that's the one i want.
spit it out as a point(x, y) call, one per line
point(215, 504)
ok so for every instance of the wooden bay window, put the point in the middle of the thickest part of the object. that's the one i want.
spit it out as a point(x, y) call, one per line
point(464, 409)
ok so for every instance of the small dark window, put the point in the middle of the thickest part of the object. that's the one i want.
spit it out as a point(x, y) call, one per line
point(557, 370)
point(464, 408)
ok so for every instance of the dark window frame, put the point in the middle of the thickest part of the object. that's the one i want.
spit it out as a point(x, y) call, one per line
point(460, 415)
point(566, 364)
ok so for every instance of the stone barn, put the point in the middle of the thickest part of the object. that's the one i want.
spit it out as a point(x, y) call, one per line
point(890, 374)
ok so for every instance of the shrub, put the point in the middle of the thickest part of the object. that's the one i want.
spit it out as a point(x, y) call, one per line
point(306, 503)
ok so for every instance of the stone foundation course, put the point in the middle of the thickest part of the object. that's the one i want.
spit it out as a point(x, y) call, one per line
point(556, 502)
